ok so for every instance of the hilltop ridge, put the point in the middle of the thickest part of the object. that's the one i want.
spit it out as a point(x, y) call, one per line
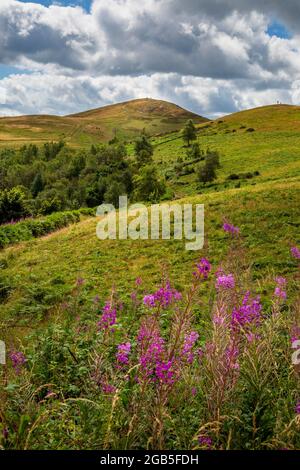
point(125, 119)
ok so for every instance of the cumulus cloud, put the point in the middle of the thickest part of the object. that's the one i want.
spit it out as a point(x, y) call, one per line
point(212, 56)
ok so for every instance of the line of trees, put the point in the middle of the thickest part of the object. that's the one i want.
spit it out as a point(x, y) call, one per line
point(40, 181)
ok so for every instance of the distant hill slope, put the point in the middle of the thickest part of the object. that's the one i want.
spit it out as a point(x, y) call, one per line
point(263, 140)
point(125, 120)
point(281, 117)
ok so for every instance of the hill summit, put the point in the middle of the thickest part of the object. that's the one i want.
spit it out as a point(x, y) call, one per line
point(124, 120)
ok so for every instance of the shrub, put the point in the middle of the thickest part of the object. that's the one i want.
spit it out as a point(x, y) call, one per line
point(32, 228)
point(240, 176)
point(12, 205)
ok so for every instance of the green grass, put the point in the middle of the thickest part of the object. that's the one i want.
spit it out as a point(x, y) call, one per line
point(43, 272)
point(266, 207)
point(273, 149)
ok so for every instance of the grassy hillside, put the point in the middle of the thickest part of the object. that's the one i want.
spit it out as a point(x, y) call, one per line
point(98, 125)
point(265, 139)
point(266, 205)
point(41, 272)
point(206, 366)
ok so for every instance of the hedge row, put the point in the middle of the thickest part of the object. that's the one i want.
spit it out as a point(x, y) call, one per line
point(33, 228)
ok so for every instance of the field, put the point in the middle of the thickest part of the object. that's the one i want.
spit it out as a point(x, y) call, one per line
point(211, 382)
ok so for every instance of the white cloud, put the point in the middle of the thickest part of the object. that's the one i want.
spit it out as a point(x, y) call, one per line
point(66, 95)
point(212, 56)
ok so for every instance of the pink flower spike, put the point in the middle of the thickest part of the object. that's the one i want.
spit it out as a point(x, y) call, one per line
point(108, 318)
point(229, 228)
point(295, 252)
point(163, 297)
point(205, 441)
point(279, 289)
point(123, 353)
point(225, 282)
point(203, 269)
point(18, 360)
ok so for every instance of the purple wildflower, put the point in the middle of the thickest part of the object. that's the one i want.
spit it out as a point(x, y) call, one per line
point(200, 354)
point(251, 337)
point(219, 319)
point(297, 408)
point(295, 333)
point(149, 300)
point(123, 352)
point(108, 318)
point(279, 289)
point(231, 357)
point(165, 372)
point(295, 252)
point(248, 313)
point(281, 281)
point(203, 269)
point(229, 228)
point(152, 350)
point(205, 441)
point(225, 281)
point(18, 360)
point(107, 388)
point(279, 293)
point(80, 282)
point(138, 281)
point(162, 297)
point(189, 342)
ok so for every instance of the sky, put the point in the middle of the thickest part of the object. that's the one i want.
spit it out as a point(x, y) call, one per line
point(212, 57)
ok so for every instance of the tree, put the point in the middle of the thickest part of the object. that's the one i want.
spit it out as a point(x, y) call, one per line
point(114, 190)
point(37, 185)
point(52, 149)
point(194, 152)
point(77, 164)
point(206, 173)
point(49, 206)
point(189, 132)
point(214, 158)
point(12, 205)
point(95, 193)
point(29, 153)
point(148, 186)
point(143, 150)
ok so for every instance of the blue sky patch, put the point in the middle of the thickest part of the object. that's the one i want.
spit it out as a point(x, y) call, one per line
point(6, 70)
point(278, 29)
point(86, 4)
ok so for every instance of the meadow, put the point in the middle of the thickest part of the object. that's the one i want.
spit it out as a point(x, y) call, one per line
point(144, 345)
